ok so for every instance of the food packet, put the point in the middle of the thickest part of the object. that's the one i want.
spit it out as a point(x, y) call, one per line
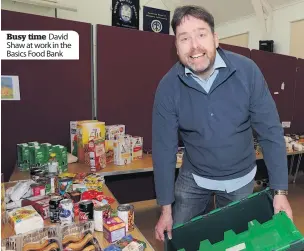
point(44, 239)
point(11, 244)
point(79, 236)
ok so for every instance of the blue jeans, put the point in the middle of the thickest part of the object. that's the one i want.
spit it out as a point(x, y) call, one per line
point(192, 200)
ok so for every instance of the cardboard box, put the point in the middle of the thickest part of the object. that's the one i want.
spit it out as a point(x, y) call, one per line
point(114, 229)
point(113, 131)
point(123, 150)
point(40, 203)
point(25, 219)
point(137, 147)
point(86, 132)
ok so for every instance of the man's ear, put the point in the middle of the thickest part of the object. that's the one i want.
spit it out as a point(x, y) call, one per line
point(176, 47)
point(216, 40)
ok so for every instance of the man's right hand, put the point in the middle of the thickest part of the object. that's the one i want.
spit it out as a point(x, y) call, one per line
point(164, 223)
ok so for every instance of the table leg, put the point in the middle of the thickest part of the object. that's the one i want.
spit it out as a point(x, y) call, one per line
point(291, 164)
point(297, 169)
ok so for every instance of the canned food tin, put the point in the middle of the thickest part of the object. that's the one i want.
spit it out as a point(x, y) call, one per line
point(126, 213)
point(66, 212)
point(36, 173)
point(85, 210)
point(101, 213)
point(54, 208)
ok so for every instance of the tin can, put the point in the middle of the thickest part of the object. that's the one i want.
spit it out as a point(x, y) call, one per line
point(38, 189)
point(126, 213)
point(66, 211)
point(101, 213)
point(36, 174)
point(54, 208)
point(65, 185)
point(86, 210)
point(75, 196)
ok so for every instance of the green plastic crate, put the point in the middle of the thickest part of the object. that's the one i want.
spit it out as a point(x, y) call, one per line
point(233, 218)
point(277, 234)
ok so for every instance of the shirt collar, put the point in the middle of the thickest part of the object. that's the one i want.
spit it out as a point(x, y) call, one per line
point(218, 63)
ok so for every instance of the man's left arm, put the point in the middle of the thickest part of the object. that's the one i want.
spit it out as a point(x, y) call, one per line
point(265, 121)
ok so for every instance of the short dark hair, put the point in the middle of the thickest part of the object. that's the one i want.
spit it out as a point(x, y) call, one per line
point(194, 11)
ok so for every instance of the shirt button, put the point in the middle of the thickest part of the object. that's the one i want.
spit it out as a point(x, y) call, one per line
point(211, 114)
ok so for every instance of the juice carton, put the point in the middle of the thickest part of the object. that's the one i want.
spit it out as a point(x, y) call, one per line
point(137, 147)
point(47, 147)
point(112, 131)
point(61, 157)
point(87, 132)
point(123, 150)
point(33, 143)
point(37, 158)
point(23, 156)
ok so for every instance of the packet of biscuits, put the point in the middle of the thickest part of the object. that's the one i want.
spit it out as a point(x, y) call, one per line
point(79, 236)
point(44, 239)
point(12, 243)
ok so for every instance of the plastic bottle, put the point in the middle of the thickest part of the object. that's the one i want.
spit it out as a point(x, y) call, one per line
point(53, 164)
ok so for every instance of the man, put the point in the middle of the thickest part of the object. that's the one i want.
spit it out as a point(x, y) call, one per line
point(213, 98)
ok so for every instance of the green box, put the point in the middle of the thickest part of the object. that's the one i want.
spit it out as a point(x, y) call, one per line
point(37, 158)
point(33, 143)
point(62, 157)
point(279, 233)
point(23, 157)
point(47, 148)
point(224, 226)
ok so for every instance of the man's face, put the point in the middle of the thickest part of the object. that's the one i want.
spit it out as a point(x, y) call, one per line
point(196, 44)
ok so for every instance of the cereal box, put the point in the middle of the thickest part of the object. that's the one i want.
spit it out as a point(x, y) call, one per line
point(112, 131)
point(96, 155)
point(23, 156)
point(122, 150)
point(137, 147)
point(73, 134)
point(114, 229)
point(87, 132)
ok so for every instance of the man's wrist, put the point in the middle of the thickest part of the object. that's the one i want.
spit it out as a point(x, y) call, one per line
point(167, 209)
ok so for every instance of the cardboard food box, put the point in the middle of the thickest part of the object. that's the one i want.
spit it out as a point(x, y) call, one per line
point(123, 150)
point(114, 229)
point(87, 132)
point(40, 203)
point(109, 144)
point(137, 147)
point(96, 155)
point(47, 238)
point(23, 156)
point(25, 219)
point(113, 131)
point(73, 134)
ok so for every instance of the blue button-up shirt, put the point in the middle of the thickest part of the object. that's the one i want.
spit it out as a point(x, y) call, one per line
point(222, 185)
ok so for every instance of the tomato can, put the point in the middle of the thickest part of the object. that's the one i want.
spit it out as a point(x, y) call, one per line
point(86, 210)
point(126, 213)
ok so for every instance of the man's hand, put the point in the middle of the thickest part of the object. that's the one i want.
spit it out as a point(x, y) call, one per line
point(280, 203)
point(164, 223)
